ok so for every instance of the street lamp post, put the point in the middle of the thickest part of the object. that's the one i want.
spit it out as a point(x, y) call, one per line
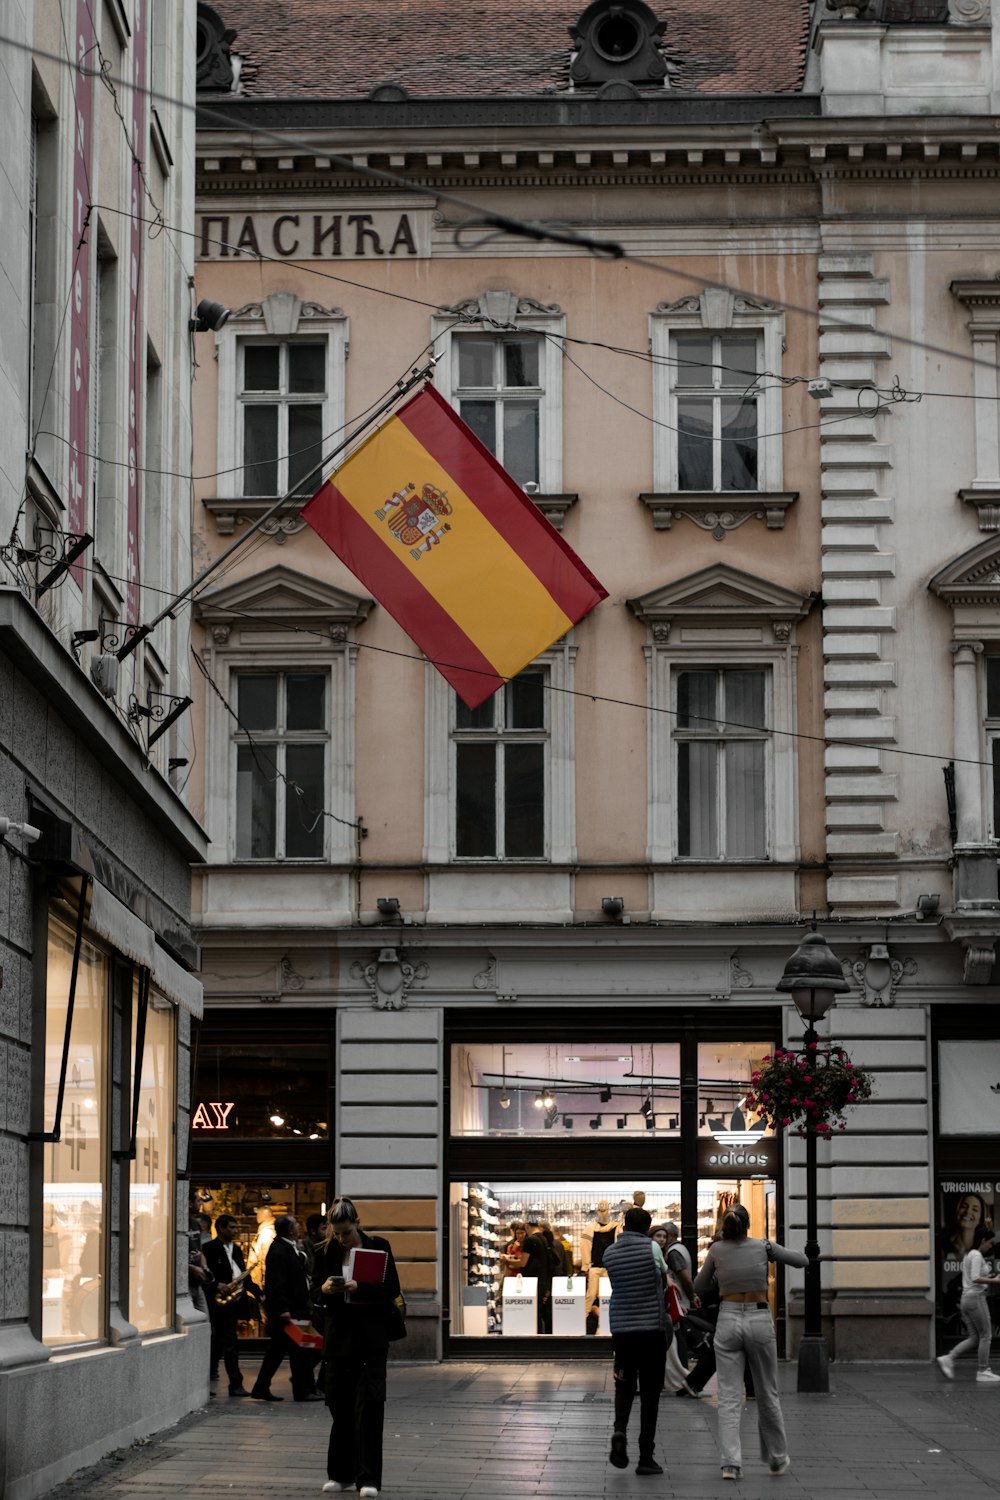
point(814, 978)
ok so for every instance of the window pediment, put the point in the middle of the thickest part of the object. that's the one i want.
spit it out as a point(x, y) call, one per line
point(721, 595)
point(284, 597)
point(971, 579)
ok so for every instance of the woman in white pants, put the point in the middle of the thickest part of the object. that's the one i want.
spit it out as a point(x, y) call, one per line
point(975, 1312)
point(743, 1333)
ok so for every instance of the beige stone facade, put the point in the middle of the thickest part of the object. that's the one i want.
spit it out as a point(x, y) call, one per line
point(847, 234)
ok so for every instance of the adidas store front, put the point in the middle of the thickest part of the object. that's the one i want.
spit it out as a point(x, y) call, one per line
point(547, 1134)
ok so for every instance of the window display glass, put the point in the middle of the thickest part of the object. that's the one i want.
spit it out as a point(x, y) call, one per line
point(724, 1071)
point(76, 1167)
point(151, 1176)
point(574, 1089)
point(963, 1204)
point(509, 1276)
point(277, 1090)
point(968, 1074)
point(255, 1206)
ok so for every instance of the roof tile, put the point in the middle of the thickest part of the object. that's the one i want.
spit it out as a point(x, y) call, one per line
point(322, 49)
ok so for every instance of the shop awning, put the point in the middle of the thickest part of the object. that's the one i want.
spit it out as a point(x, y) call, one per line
point(112, 920)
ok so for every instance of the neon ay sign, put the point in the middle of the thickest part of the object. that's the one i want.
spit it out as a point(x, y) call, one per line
point(213, 1116)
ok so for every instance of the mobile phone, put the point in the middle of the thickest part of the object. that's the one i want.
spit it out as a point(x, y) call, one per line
point(339, 1280)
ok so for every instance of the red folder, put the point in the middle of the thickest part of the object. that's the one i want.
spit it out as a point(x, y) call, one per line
point(367, 1267)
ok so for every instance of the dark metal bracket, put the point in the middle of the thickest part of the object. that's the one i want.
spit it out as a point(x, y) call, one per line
point(151, 711)
point(59, 554)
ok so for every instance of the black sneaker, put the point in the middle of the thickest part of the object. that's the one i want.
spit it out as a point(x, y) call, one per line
point(619, 1450)
point(648, 1466)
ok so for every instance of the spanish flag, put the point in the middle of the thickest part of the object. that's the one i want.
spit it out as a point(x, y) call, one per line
point(439, 533)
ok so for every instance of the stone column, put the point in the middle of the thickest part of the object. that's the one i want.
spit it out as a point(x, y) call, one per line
point(968, 742)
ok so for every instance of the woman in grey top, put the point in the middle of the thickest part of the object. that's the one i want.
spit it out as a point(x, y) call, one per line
point(745, 1332)
point(975, 1313)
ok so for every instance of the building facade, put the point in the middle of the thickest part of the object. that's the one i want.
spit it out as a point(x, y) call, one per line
point(99, 1341)
point(477, 967)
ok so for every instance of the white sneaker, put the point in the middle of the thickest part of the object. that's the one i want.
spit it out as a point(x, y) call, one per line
point(333, 1487)
point(947, 1366)
point(987, 1377)
point(368, 1492)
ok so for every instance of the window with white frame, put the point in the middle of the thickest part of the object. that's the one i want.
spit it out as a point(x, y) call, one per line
point(282, 410)
point(501, 783)
point(500, 366)
point(992, 727)
point(500, 754)
point(718, 416)
point(281, 396)
point(499, 394)
point(715, 409)
point(723, 774)
point(281, 746)
point(721, 745)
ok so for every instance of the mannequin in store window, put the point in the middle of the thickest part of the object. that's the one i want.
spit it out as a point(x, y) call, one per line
point(262, 1242)
point(595, 1239)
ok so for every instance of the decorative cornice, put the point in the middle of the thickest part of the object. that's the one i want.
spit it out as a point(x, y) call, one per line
point(721, 595)
point(973, 578)
point(229, 513)
point(717, 512)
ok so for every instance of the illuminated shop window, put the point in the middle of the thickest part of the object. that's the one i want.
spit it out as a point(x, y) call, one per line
point(577, 1090)
point(724, 1072)
point(495, 1257)
point(255, 1206)
point(74, 1192)
point(150, 1229)
point(278, 1090)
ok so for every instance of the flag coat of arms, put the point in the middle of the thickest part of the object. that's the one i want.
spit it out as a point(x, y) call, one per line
point(438, 532)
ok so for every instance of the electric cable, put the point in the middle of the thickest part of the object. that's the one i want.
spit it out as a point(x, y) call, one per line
point(524, 228)
point(649, 708)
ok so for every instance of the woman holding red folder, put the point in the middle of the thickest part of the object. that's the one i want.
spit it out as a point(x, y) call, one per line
point(355, 1347)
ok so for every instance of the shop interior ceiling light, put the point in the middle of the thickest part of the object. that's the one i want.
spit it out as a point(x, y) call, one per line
point(595, 1123)
point(538, 1102)
point(650, 1122)
point(277, 1119)
point(646, 1107)
point(504, 1100)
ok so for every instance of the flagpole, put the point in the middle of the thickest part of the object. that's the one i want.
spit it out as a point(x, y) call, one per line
point(402, 387)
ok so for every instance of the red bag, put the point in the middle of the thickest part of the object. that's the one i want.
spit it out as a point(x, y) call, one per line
point(674, 1307)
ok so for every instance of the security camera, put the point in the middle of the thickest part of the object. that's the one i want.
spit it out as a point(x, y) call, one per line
point(26, 831)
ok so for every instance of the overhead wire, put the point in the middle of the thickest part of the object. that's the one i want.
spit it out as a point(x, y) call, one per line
point(598, 697)
point(531, 229)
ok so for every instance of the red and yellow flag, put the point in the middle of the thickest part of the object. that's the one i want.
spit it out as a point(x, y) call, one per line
point(439, 533)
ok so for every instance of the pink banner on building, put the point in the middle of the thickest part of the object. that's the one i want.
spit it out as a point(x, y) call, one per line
point(81, 260)
point(137, 327)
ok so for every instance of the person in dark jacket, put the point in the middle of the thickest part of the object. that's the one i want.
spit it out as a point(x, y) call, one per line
point(538, 1262)
point(355, 1351)
point(224, 1260)
point(286, 1296)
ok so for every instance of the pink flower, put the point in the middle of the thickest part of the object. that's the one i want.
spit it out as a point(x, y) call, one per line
point(807, 1078)
point(822, 1128)
point(786, 1122)
point(812, 1046)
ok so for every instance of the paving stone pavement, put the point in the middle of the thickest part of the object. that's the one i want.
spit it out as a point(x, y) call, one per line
point(456, 1430)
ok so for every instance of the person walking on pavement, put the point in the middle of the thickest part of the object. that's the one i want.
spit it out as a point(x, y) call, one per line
point(745, 1334)
point(974, 1309)
point(286, 1297)
point(355, 1351)
point(225, 1263)
point(638, 1322)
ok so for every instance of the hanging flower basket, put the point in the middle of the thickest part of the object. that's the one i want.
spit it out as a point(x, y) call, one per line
point(808, 1090)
